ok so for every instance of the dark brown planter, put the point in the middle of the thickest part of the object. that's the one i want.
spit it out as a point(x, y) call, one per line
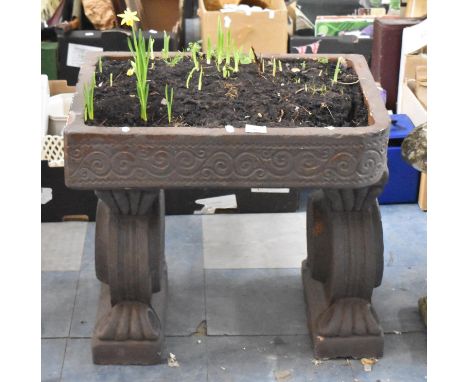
point(129, 170)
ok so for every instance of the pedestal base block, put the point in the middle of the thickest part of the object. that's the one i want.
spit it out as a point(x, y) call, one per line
point(350, 346)
point(129, 351)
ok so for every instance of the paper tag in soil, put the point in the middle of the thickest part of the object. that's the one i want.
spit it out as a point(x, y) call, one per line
point(271, 190)
point(77, 54)
point(229, 128)
point(218, 202)
point(46, 195)
point(255, 129)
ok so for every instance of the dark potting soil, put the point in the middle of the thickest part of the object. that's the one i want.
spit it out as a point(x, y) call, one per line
point(302, 94)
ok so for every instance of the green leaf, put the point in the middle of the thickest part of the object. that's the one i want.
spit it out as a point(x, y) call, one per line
point(245, 59)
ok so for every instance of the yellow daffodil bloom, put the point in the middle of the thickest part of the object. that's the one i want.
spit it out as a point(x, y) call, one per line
point(131, 71)
point(128, 17)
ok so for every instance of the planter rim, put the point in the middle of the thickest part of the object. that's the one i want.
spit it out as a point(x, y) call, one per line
point(377, 111)
point(98, 157)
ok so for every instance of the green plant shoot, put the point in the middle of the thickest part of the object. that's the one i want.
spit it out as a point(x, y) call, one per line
point(110, 79)
point(209, 52)
point(141, 56)
point(237, 57)
point(274, 67)
point(226, 71)
point(194, 48)
point(280, 66)
point(165, 50)
point(200, 78)
point(189, 77)
point(89, 98)
point(251, 54)
point(244, 59)
point(219, 43)
point(337, 70)
point(100, 65)
point(228, 48)
point(169, 103)
point(175, 60)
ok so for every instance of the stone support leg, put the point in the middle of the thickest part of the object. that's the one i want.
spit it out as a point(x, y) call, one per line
point(343, 266)
point(130, 262)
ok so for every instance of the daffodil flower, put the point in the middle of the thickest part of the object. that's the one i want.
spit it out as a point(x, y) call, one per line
point(128, 17)
point(131, 71)
point(141, 56)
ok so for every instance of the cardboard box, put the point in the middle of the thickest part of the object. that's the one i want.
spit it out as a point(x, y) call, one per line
point(422, 199)
point(421, 84)
point(414, 44)
point(413, 48)
point(266, 32)
point(160, 15)
point(410, 103)
point(59, 87)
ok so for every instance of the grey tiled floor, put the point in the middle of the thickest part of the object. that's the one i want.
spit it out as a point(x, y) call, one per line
point(254, 308)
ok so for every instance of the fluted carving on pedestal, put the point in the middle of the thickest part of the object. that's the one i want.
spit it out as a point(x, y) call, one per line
point(129, 321)
point(337, 321)
point(344, 265)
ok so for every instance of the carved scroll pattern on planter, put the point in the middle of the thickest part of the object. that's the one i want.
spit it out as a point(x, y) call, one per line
point(345, 253)
point(129, 258)
point(146, 165)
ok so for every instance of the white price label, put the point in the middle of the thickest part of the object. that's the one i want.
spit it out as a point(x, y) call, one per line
point(77, 54)
point(255, 129)
point(271, 190)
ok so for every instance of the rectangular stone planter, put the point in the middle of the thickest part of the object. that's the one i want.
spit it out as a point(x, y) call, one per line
point(129, 168)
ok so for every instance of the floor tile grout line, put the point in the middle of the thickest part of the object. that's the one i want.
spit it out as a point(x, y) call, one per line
point(74, 300)
point(235, 335)
point(79, 277)
point(253, 269)
point(63, 359)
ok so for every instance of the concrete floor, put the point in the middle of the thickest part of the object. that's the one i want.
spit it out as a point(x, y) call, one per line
point(241, 274)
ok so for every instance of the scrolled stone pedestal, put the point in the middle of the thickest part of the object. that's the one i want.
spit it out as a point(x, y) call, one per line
point(344, 264)
point(130, 262)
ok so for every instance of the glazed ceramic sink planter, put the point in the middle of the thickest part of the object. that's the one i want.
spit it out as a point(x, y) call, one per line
point(130, 168)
